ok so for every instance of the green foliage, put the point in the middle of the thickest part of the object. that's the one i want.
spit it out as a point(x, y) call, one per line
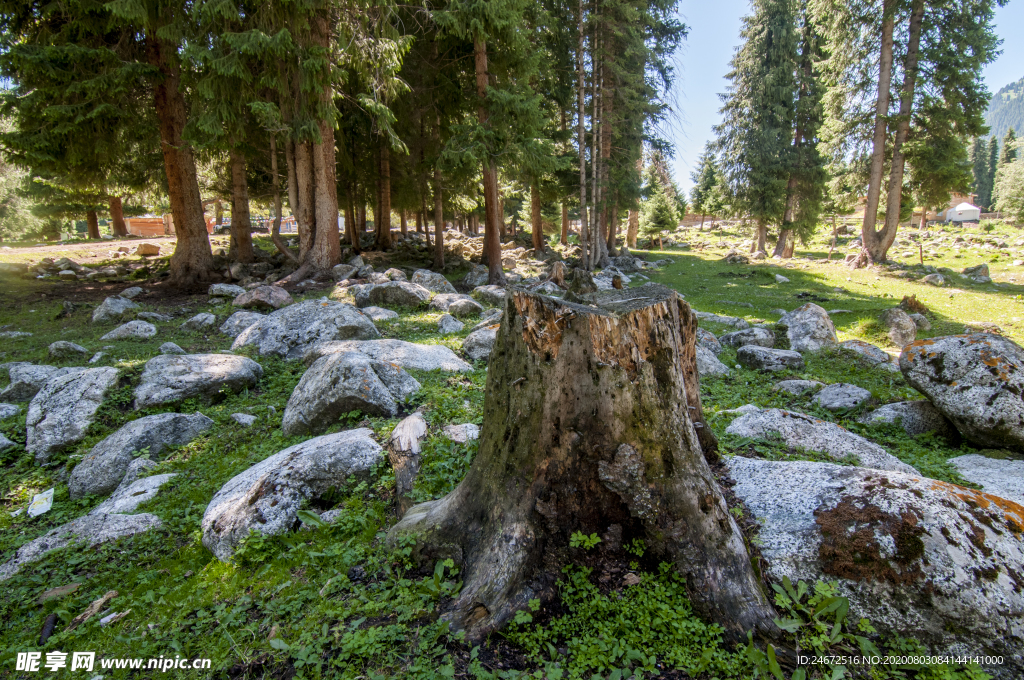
point(581, 540)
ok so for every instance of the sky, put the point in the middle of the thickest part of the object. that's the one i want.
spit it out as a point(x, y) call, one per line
point(703, 61)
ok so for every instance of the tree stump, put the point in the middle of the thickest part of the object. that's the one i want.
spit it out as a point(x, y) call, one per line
point(592, 418)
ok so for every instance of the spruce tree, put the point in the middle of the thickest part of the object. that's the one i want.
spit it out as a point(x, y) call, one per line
point(705, 179)
point(1009, 148)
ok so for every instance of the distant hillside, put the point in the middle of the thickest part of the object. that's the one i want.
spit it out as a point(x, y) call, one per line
point(1006, 110)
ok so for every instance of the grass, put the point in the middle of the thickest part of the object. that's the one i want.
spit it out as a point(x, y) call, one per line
point(332, 601)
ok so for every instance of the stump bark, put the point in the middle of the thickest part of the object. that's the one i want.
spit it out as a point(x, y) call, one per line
point(592, 418)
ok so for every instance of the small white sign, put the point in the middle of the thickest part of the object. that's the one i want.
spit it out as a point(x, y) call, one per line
point(41, 502)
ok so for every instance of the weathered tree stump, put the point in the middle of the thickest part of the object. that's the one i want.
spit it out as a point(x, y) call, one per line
point(592, 418)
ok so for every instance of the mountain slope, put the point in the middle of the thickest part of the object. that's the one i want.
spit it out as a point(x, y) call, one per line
point(1006, 110)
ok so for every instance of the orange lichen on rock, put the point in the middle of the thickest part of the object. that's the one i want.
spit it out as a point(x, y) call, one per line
point(1013, 513)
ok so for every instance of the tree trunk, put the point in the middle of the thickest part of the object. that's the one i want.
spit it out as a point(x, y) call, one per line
point(305, 222)
point(762, 237)
point(564, 238)
point(117, 225)
point(613, 228)
point(327, 242)
point(404, 223)
point(384, 223)
point(535, 218)
point(581, 140)
point(275, 183)
point(632, 228)
point(701, 227)
point(241, 226)
point(350, 221)
point(192, 261)
point(572, 459)
point(880, 135)
point(92, 222)
point(492, 221)
point(438, 264)
point(882, 240)
point(782, 245)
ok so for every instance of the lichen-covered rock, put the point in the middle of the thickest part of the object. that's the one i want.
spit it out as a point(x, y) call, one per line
point(809, 328)
point(169, 378)
point(133, 330)
point(91, 530)
point(432, 281)
point(801, 431)
point(490, 295)
point(62, 350)
point(267, 497)
point(841, 397)
point(762, 337)
point(478, 345)
point(405, 354)
point(768, 359)
point(911, 554)
point(340, 383)
point(708, 341)
point(900, 328)
point(797, 387)
point(708, 363)
point(105, 465)
point(61, 412)
point(976, 381)
point(28, 379)
point(264, 297)
point(1003, 478)
point(871, 355)
point(199, 322)
point(291, 331)
point(238, 322)
point(915, 417)
point(398, 294)
point(113, 309)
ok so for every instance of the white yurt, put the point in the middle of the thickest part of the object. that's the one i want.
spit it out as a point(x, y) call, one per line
point(965, 212)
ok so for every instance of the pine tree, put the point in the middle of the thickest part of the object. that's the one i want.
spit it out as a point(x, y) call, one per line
point(1009, 148)
point(705, 179)
point(658, 215)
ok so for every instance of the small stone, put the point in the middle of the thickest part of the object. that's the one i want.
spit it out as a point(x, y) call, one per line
point(379, 313)
point(243, 419)
point(779, 278)
point(478, 345)
point(934, 280)
point(841, 397)
point(762, 337)
point(112, 309)
point(264, 297)
point(490, 295)
point(922, 322)
point(67, 275)
point(394, 274)
point(797, 387)
point(767, 359)
point(131, 293)
point(238, 322)
point(460, 434)
point(901, 328)
point(147, 249)
point(199, 322)
point(133, 330)
point(153, 316)
point(708, 363)
point(225, 290)
point(8, 410)
point(915, 417)
point(448, 324)
point(342, 272)
point(98, 357)
point(171, 348)
point(63, 350)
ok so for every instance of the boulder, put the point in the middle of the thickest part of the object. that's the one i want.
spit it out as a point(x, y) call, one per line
point(432, 281)
point(733, 321)
point(378, 277)
point(342, 272)
point(343, 382)
point(9, 410)
point(267, 497)
point(290, 332)
point(238, 322)
point(132, 293)
point(476, 277)
point(708, 341)
point(133, 330)
point(779, 278)
point(767, 359)
point(153, 316)
point(800, 431)
point(797, 387)
point(113, 309)
point(126, 498)
point(934, 280)
point(264, 297)
point(398, 294)
point(169, 378)
point(5, 443)
point(199, 322)
point(911, 554)
point(460, 434)
point(762, 337)
point(448, 324)
point(841, 397)
point(490, 295)
point(808, 328)
point(1003, 478)
point(922, 322)
point(465, 307)
point(394, 274)
point(975, 380)
point(900, 328)
point(147, 249)
point(171, 348)
point(399, 352)
point(105, 465)
point(243, 419)
point(28, 379)
point(978, 270)
point(379, 313)
point(442, 301)
point(62, 411)
point(62, 350)
point(92, 530)
point(916, 417)
point(478, 345)
point(708, 363)
point(871, 355)
point(226, 290)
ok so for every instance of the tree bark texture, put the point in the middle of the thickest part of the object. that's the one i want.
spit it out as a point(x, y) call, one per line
point(882, 240)
point(880, 134)
point(117, 225)
point(305, 221)
point(241, 225)
point(383, 223)
point(762, 237)
point(536, 227)
point(492, 219)
point(192, 261)
point(632, 228)
point(92, 224)
point(327, 241)
point(591, 419)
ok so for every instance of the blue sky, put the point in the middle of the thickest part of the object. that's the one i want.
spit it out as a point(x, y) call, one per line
point(704, 58)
